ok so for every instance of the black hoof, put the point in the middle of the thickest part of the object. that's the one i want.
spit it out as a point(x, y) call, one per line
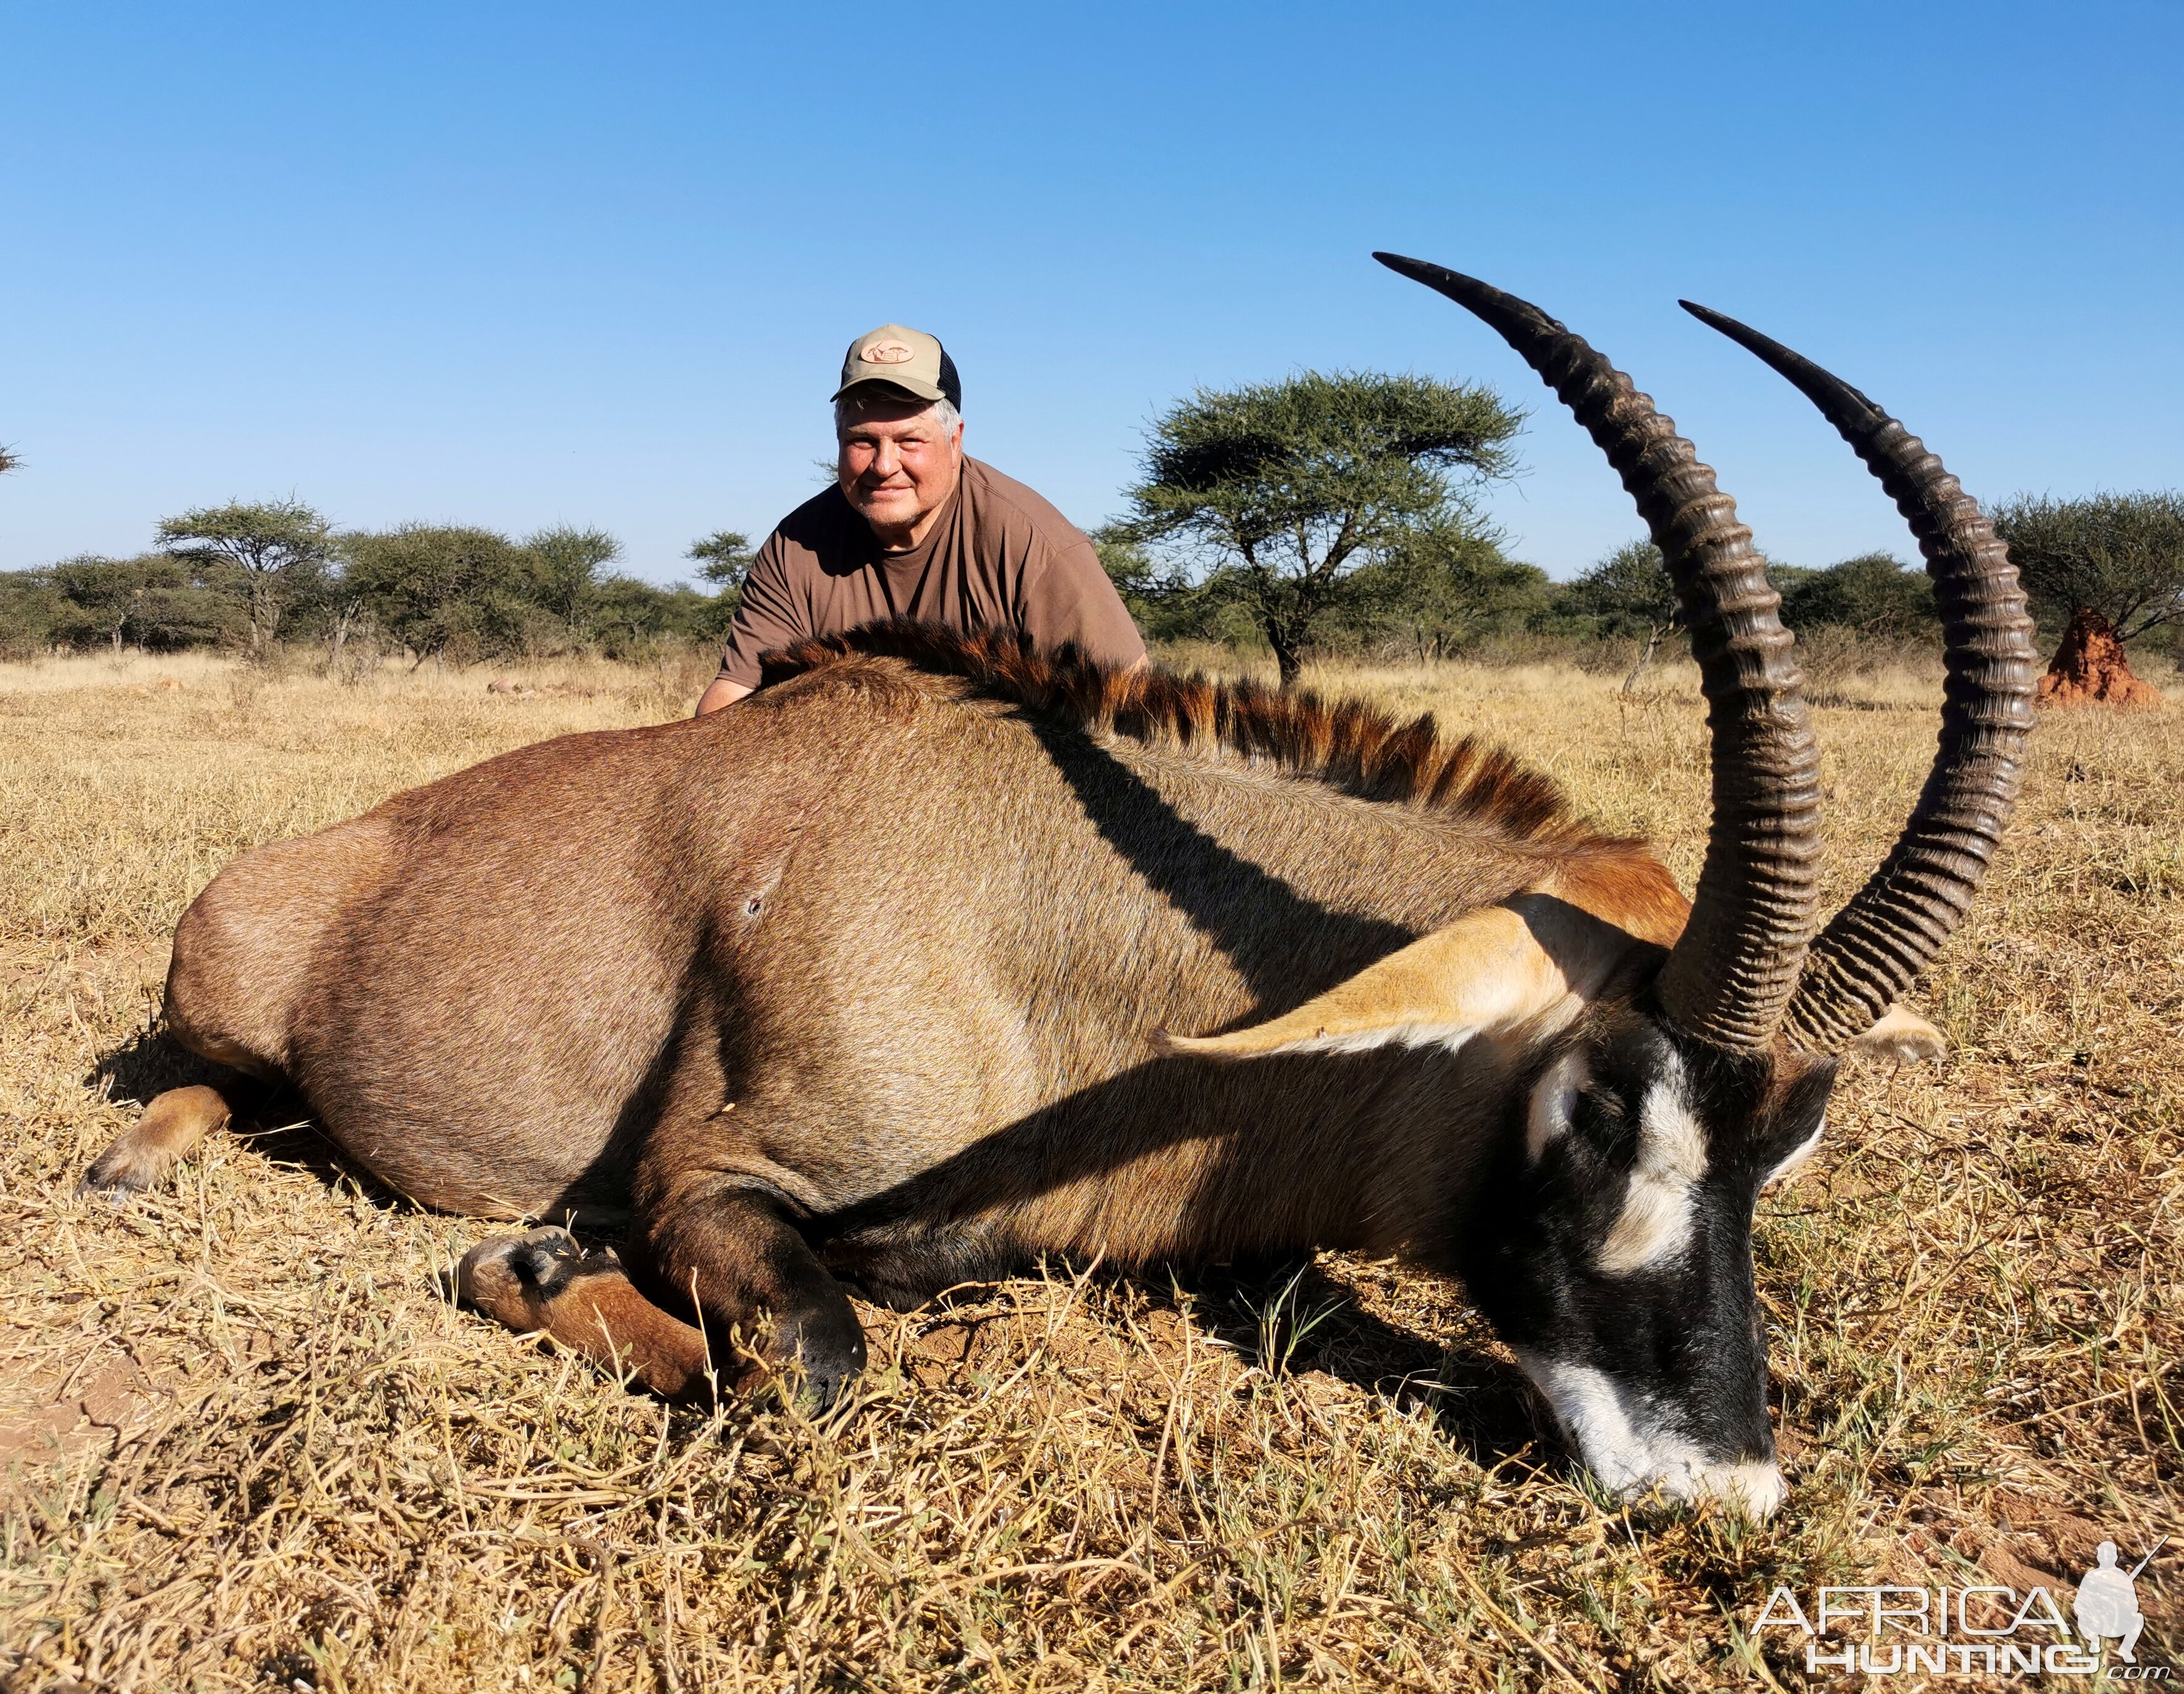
point(540, 1262)
point(826, 1351)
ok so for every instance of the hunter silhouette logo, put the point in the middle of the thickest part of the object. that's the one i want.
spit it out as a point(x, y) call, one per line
point(2108, 1602)
point(1884, 1630)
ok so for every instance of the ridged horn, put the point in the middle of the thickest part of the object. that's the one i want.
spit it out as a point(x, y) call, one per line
point(1873, 947)
point(1732, 973)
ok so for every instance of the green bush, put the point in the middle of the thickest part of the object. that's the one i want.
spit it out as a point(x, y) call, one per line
point(1628, 596)
point(156, 602)
point(1874, 594)
point(31, 609)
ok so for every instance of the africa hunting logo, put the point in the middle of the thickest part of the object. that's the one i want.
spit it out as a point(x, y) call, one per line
point(1986, 1629)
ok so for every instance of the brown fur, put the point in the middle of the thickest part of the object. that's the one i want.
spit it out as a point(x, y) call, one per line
point(867, 975)
point(166, 1134)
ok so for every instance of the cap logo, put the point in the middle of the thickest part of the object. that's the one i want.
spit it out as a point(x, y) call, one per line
point(887, 353)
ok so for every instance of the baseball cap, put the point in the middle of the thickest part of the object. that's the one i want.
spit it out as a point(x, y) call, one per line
point(906, 359)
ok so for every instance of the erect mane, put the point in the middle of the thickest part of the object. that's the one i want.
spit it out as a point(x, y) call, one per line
point(1349, 746)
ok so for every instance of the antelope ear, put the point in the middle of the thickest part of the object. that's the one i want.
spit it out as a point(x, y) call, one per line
point(1532, 957)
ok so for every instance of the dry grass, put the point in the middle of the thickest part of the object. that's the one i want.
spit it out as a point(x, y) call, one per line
point(247, 1444)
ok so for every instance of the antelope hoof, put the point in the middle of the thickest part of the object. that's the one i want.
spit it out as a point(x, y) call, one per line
point(820, 1352)
point(1900, 1037)
point(123, 1169)
point(510, 1278)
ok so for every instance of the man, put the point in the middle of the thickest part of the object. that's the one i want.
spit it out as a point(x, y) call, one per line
point(911, 528)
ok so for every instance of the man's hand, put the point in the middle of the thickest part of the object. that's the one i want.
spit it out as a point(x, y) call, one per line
point(721, 693)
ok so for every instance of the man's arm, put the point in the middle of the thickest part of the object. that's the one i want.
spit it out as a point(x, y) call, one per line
point(766, 616)
point(1067, 597)
point(722, 691)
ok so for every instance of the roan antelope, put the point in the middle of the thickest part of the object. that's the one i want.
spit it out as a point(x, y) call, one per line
point(871, 983)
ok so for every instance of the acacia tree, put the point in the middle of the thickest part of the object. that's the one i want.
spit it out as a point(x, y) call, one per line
point(724, 558)
point(564, 574)
point(1446, 586)
point(107, 594)
point(1163, 602)
point(149, 599)
point(1874, 593)
point(1279, 493)
point(1627, 593)
point(2113, 565)
point(272, 554)
point(440, 590)
point(1630, 594)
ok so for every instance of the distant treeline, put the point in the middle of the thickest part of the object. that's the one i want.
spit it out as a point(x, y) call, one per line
point(248, 576)
point(1327, 513)
point(1439, 599)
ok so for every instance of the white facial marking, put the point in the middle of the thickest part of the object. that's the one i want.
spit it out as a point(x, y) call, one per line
point(1803, 1150)
point(1656, 1222)
point(1632, 1454)
point(1554, 1099)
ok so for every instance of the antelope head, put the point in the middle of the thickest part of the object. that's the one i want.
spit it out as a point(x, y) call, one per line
point(1663, 1085)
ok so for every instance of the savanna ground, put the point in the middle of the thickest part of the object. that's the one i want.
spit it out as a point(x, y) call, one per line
point(248, 1443)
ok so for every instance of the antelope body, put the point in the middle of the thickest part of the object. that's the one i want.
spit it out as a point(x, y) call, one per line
point(937, 955)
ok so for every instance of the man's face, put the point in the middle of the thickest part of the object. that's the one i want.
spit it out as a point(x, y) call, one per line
point(897, 465)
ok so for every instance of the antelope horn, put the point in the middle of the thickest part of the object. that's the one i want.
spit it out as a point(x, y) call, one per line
point(1732, 973)
point(1873, 948)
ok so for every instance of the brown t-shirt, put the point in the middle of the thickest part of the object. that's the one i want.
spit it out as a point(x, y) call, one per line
point(998, 557)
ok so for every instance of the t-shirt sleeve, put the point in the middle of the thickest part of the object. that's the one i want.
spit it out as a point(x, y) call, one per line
point(768, 616)
point(1066, 596)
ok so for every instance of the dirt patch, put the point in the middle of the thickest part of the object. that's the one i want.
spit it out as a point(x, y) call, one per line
point(44, 1422)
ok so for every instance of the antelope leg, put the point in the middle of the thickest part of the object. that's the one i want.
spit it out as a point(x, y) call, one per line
point(1903, 1037)
point(542, 1282)
point(753, 1275)
point(145, 1154)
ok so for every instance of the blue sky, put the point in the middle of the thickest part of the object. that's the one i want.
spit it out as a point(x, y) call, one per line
point(527, 264)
